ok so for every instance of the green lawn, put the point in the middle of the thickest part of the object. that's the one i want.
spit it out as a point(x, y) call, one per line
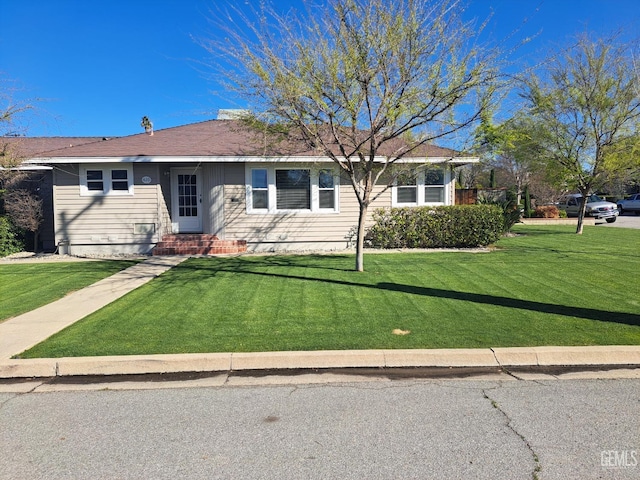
point(27, 286)
point(546, 286)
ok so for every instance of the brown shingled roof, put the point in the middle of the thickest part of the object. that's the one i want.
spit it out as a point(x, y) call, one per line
point(210, 138)
point(213, 138)
point(28, 147)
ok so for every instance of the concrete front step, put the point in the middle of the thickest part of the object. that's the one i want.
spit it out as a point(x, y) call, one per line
point(189, 237)
point(194, 244)
point(198, 244)
point(198, 251)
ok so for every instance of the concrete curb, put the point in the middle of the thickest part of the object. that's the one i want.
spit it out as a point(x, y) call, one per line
point(328, 359)
point(568, 356)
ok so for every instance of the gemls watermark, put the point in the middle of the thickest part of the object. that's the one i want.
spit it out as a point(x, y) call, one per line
point(619, 458)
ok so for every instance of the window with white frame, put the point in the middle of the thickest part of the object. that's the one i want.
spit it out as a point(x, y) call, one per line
point(326, 190)
point(259, 189)
point(407, 188)
point(434, 185)
point(293, 189)
point(273, 189)
point(420, 187)
point(106, 180)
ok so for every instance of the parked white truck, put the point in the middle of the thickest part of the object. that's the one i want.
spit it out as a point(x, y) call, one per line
point(596, 207)
point(631, 204)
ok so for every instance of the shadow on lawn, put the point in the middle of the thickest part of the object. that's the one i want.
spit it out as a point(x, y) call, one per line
point(601, 252)
point(248, 264)
point(564, 310)
point(587, 313)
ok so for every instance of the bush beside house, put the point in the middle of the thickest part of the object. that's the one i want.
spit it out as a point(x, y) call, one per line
point(458, 226)
point(9, 238)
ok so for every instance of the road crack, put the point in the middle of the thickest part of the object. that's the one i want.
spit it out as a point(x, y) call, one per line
point(536, 460)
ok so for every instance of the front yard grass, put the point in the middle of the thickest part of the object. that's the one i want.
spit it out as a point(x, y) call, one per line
point(27, 286)
point(545, 286)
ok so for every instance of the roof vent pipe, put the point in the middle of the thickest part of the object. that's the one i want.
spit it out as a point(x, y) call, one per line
point(147, 125)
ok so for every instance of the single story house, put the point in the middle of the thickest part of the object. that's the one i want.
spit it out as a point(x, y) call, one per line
point(220, 182)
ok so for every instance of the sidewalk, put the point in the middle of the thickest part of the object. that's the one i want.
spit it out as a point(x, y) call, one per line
point(21, 333)
point(24, 331)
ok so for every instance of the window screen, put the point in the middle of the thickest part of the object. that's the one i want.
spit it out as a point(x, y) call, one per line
point(293, 189)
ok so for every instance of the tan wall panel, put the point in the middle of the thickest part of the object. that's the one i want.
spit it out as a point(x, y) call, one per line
point(295, 227)
point(107, 219)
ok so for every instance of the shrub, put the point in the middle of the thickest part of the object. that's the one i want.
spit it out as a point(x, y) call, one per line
point(547, 211)
point(459, 226)
point(9, 238)
point(511, 211)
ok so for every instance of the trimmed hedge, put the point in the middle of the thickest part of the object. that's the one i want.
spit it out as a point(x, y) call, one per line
point(457, 226)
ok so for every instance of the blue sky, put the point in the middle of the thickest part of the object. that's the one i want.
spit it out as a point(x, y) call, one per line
point(98, 67)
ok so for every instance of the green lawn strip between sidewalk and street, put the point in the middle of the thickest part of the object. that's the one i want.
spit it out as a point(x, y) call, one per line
point(543, 286)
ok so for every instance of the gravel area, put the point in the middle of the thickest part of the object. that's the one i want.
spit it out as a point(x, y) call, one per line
point(30, 257)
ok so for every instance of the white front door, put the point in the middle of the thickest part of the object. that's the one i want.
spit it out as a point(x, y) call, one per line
point(186, 200)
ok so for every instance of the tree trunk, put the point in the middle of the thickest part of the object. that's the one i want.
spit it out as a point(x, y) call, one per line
point(581, 212)
point(364, 202)
point(360, 238)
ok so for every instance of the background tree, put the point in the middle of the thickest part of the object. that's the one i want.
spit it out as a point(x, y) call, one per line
point(586, 106)
point(362, 82)
point(24, 208)
point(19, 200)
point(511, 149)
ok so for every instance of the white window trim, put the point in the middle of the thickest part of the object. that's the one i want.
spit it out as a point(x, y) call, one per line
point(272, 193)
point(106, 179)
point(420, 193)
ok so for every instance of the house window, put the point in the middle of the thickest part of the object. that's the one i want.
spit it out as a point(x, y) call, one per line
point(260, 189)
point(424, 187)
point(407, 189)
point(187, 195)
point(326, 190)
point(120, 180)
point(105, 180)
point(293, 189)
point(434, 186)
point(273, 189)
point(94, 181)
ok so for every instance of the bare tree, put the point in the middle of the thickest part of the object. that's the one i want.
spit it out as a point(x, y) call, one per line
point(586, 105)
point(11, 112)
point(362, 82)
point(24, 208)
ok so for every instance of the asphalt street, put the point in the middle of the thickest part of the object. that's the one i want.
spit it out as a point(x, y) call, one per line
point(489, 427)
point(626, 220)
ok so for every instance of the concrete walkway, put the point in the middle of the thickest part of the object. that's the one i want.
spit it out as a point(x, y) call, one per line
point(21, 333)
point(24, 331)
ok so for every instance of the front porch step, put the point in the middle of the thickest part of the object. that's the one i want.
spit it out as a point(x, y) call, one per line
point(197, 244)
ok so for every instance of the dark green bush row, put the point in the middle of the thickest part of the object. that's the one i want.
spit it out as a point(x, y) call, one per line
point(9, 238)
point(459, 226)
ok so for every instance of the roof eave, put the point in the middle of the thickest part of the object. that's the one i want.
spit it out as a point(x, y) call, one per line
point(235, 159)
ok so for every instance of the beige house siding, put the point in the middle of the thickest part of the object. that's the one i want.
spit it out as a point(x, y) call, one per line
point(291, 230)
point(104, 224)
point(164, 201)
point(213, 197)
point(135, 223)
